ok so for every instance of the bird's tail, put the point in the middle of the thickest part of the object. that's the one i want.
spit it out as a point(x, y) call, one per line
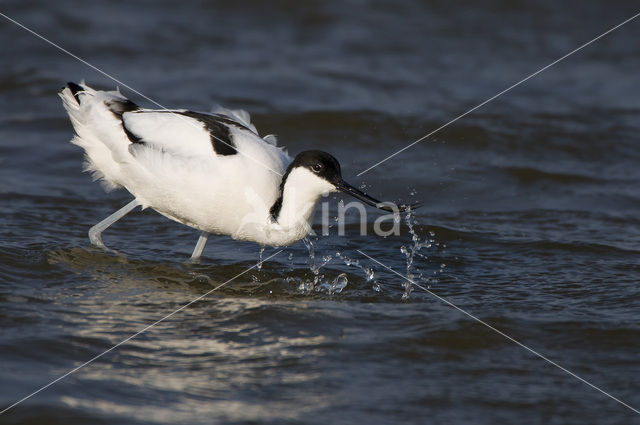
point(71, 96)
point(96, 118)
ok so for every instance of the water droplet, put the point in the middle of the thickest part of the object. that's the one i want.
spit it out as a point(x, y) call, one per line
point(339, 283)
point(370, 273)
point(259, 265)
point(408, 288)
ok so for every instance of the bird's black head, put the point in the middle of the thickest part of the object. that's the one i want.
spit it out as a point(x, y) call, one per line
point(320, 163)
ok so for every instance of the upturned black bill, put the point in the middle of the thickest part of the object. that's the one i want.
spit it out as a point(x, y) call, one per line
point(358, 194)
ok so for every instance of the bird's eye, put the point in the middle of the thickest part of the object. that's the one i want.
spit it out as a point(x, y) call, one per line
point(316, 168)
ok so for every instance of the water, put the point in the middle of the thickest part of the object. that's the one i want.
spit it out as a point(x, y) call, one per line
point(530, 218)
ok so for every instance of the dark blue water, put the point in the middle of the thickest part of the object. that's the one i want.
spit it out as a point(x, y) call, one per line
point(530, 219)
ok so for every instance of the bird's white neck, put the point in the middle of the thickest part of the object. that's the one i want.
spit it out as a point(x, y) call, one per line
point(292, 212)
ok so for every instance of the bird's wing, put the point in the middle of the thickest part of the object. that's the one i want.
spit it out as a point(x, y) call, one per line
point(184, 133)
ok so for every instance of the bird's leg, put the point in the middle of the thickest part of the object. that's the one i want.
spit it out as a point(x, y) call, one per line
point(197, 251)
point(95, 233)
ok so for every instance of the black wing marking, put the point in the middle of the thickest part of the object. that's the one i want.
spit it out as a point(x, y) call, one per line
point(120, 106)
point(75, 89)
point(219, 133)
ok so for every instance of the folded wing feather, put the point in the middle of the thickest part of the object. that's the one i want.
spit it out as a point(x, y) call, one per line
point(180, 132)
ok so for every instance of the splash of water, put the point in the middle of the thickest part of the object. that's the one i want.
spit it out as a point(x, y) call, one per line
point(369, 272)
point(412, 251)
point(335, 286)
point(255, 278)
point(260, 260)
point(291, 266)
point(307, 286)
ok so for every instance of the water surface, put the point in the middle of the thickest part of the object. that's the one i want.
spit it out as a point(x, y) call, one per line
point(530, 218)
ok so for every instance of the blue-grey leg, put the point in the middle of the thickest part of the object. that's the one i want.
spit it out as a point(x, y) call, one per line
point(197, 251)
point(95, 233)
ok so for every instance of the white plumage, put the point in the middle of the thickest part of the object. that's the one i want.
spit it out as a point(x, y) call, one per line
point(208, 171)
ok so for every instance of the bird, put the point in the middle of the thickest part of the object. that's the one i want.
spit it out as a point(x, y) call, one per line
point(209, 171)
